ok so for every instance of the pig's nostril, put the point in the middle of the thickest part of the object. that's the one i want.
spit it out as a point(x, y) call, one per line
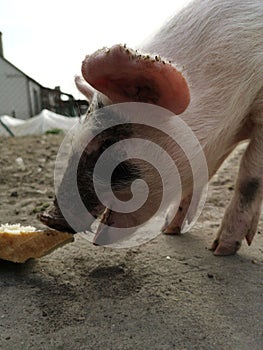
point(43, 216)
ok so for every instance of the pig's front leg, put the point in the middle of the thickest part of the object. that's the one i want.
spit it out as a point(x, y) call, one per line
point(242, 215)
point(174, 226)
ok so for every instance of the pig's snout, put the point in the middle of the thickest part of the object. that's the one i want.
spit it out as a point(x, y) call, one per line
point(53, 218)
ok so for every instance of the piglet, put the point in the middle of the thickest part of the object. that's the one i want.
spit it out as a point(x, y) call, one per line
point(205, 64)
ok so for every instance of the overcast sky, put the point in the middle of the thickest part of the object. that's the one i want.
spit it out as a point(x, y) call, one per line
point(48, 39)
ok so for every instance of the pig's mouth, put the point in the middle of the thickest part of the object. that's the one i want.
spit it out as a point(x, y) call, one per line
point(53, 218)
point(103, 219)
point(102, 235)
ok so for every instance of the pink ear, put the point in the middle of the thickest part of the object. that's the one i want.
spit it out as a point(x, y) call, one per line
point(124, 75)
point(84, 87)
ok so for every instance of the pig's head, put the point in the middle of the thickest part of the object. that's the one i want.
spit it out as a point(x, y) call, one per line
point(113, 76)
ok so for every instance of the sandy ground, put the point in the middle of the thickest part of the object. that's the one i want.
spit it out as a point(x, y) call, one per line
point(170, 293)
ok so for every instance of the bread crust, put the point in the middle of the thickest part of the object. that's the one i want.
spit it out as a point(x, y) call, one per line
point(19, 247)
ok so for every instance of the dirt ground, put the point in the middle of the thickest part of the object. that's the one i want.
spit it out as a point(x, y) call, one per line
point(170, 293)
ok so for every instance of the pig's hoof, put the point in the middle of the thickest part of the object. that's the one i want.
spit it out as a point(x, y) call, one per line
point(171, 230)
point(224, 248)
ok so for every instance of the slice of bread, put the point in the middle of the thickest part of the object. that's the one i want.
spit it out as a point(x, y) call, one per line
point(20, 243)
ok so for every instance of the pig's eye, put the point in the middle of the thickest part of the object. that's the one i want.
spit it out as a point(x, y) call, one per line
point(99, 104)
point(95, 104)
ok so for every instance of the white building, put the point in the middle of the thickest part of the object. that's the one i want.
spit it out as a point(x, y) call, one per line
point(20, 95)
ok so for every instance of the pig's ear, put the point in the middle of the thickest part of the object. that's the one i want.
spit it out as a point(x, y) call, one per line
point(84, 87)
point(124, 75)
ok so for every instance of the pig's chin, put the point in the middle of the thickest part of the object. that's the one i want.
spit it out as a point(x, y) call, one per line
point(106, 236)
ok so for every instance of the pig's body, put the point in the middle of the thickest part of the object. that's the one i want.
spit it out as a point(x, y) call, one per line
point(218, 47)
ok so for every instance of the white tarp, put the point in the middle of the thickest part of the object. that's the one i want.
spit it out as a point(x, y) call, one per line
point(10, 121)
point(37, 125)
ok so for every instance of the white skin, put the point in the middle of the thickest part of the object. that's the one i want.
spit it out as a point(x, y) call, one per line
point(218, 47)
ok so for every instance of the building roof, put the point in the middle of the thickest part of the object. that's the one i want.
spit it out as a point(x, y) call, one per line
point(20, 71)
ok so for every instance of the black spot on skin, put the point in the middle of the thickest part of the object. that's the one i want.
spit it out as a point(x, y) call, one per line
point(249, 189)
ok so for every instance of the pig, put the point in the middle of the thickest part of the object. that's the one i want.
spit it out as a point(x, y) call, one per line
point(206, 65)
